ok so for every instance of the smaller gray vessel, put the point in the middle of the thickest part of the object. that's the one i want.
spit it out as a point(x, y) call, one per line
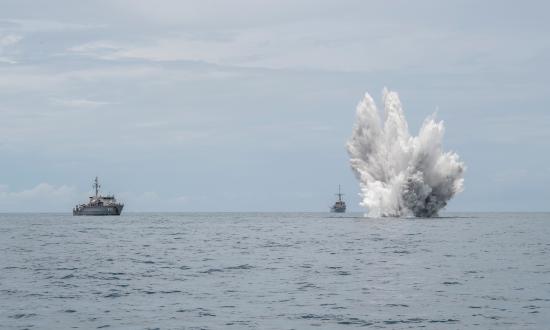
point(339, 206)
point(99, 205)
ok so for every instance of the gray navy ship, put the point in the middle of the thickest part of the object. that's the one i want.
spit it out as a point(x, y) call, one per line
point(99, 205)
point(339, 206)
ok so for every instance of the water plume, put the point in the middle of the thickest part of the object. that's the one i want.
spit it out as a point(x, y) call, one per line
point(399, 174)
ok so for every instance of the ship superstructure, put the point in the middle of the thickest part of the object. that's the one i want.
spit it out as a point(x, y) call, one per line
point(339, 206)
point(99, 205)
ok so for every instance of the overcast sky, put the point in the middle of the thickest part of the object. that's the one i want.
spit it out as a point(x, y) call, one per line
point(247, 105)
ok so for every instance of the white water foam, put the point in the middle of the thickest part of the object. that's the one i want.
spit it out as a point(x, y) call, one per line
point(399, 174)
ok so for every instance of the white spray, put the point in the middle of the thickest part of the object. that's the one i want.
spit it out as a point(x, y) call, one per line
point(399, 174)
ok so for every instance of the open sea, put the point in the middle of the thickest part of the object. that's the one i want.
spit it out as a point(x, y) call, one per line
point(274, 271)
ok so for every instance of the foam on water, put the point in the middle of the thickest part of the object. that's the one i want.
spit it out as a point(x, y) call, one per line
point(399, 174)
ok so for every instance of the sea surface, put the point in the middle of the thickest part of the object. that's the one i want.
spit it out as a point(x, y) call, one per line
point(274, 271)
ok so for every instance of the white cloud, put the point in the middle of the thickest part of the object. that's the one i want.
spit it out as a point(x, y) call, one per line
point(325, 44)
point(42, 190)
point(98, 49)
point(350, 36)
point(79, 103)
point(7, 41)
point(46, 197)
point(7, 60)
point(212, 14)
point(37, 78)
point(43, 196)
point(42, 25)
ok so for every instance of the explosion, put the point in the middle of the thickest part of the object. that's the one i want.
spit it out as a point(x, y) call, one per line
point(399, 174)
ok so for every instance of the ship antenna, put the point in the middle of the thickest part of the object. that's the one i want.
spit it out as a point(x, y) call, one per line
point(96, 186)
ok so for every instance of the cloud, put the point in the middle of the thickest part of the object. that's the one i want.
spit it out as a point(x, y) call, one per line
point(43, 196)
point(42, 78)
point(97, 49)
point(212, 14)
point(9, 39)
point(43, 25)
point(5, 42)
point(46, 197)
point(79, 103)
point(317, 44)
point(7, 60)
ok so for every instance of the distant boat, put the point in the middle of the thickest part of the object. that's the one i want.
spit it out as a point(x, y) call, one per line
point(99, 205)
point(339, 206)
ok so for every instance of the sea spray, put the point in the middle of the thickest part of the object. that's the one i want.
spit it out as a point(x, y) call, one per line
point(399, 174)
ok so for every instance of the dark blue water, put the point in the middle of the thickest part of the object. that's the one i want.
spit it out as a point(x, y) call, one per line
point(274, 271)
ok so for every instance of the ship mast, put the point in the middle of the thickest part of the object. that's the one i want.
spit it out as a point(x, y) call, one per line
point(96, 186)
point(339, 194)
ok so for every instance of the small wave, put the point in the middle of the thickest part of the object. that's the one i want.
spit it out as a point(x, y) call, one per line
point(109, 278)
point(539, 299)
point(397, 305)
point(339, 319)
point(115, 295)
point(239, 322)
point(406, 321)
point(211, 271)
point(275, 244)
point(531, 307)
point(203, 314)
point(306, 285)
point(245, 266)
point(22, 315)
point(34, 295)
point(495, 298)
point(66, 297)
point(444, 321)
point(170, 291)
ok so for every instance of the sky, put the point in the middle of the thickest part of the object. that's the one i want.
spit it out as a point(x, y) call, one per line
point(247, 105)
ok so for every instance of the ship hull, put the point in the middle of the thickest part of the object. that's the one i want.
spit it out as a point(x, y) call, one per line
point(338, 210)
point(99, 210)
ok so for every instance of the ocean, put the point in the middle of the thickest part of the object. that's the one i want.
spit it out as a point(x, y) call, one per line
point(274, 271)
